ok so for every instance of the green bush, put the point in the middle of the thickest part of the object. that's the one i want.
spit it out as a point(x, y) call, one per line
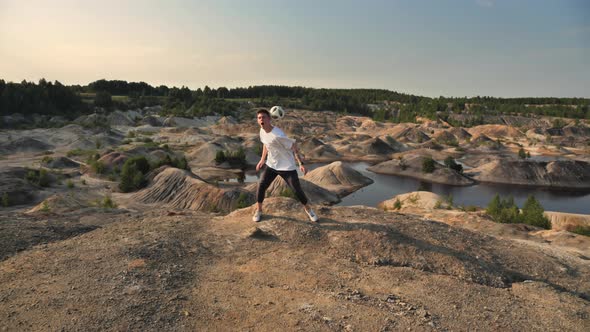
point(219, 157)
point(40, 178)
point(133, 174)
point(397, 205)
point(243, 201)
point(288, 192)
point(5, 201)
point(70, 184)
point(521, 153)
point(46, 160)
point(428, 165)
point(452, 164)
point(107, 203)
point(532, 213)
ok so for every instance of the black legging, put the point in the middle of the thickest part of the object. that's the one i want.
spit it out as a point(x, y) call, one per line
point(268, 176)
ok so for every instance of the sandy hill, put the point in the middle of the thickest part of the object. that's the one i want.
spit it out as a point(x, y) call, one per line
point(338, 178)
point(181, 189)
point(558, 174)
point(358, 269)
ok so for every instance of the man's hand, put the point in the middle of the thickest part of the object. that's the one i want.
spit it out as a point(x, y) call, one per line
point(302, 169)
point(259, 165)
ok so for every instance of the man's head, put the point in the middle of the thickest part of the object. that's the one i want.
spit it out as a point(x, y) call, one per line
point(263, 117)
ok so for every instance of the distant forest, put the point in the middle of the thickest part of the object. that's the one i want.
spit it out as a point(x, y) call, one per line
point(49, 98)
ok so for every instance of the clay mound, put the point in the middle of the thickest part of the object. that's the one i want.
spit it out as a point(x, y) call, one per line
point(17, 190)
point(460, 133)
point(59, 203)
point(410, 165)
point(227, 120)
point(62, 162)
point(24, 144)
point(567, 221)
point(379, 147)
point(310, 144)
point(496, 131)
point(181, 189)
point(424, 200)
point(577, 131)
point(151, 120)
point(483, 142)
point(359, 269)
point(412, 135)
point(118, 118)
point(445, 137)
point(204, 154)
point(338, 178)
point(555, 174)
point(323, 153)
point(315, 194)
point(114, 160)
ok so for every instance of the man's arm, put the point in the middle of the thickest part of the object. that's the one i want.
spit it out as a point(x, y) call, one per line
point(262, 158)
point(298, 158)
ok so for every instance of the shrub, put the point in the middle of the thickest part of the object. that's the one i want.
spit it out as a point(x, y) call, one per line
point(521, 153)
point(452, 164)
point(84, 181)
point(108, 203)
point(46, 160)
point(45, 207)
point(287, 192)
point(428, 165)
point(438, 204)
point(133, 174)
point(397, 205)
point(236, 158)
point(219, 157)
point(70, 184)
point(243, 201)
point(5, 201)
point(582, 230)
point(532, 213)
point(40, 178)
point(96, 166)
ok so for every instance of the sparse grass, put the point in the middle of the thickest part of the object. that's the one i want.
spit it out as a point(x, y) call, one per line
point(287, 192)
point(80, 152)
point(46, 160)
point(582, 230)
point(70, 184)
point(107, 203)
point(397, 205)
point(438, 204)
point(45, 207)
point(413, 199)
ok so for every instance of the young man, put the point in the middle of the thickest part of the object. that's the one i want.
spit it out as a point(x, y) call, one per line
point(280, 153)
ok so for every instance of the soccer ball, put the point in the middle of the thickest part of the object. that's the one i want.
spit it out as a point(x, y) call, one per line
point(277, 112)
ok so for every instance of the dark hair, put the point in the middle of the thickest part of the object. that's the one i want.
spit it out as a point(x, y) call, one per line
point(263, 110)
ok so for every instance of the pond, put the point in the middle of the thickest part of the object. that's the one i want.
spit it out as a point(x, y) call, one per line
point(386, 186)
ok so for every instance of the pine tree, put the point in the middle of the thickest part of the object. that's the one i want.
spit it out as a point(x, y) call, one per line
point(494, 207)
point(532, 213)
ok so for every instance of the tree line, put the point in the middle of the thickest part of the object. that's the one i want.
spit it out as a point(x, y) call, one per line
point(57, 99)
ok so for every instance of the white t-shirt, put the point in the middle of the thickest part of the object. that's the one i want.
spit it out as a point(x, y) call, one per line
point(280, 156)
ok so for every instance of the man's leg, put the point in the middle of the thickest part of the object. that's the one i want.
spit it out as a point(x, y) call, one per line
point(266, 178)
point(292, 180)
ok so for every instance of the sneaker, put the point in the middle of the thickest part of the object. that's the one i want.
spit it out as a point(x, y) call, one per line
point(312, 216)
point(256, 216)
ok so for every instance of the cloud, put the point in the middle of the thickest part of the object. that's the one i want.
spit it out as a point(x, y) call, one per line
point(485, 3)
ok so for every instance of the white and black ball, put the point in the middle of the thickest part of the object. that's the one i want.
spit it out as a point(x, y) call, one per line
point(277, 112)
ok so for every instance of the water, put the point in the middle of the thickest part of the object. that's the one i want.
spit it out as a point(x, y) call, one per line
point(385, 187)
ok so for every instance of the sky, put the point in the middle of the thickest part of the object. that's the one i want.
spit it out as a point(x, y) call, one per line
point(502, 48)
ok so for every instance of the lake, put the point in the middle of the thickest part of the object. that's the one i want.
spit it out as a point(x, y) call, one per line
point(387, 186)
